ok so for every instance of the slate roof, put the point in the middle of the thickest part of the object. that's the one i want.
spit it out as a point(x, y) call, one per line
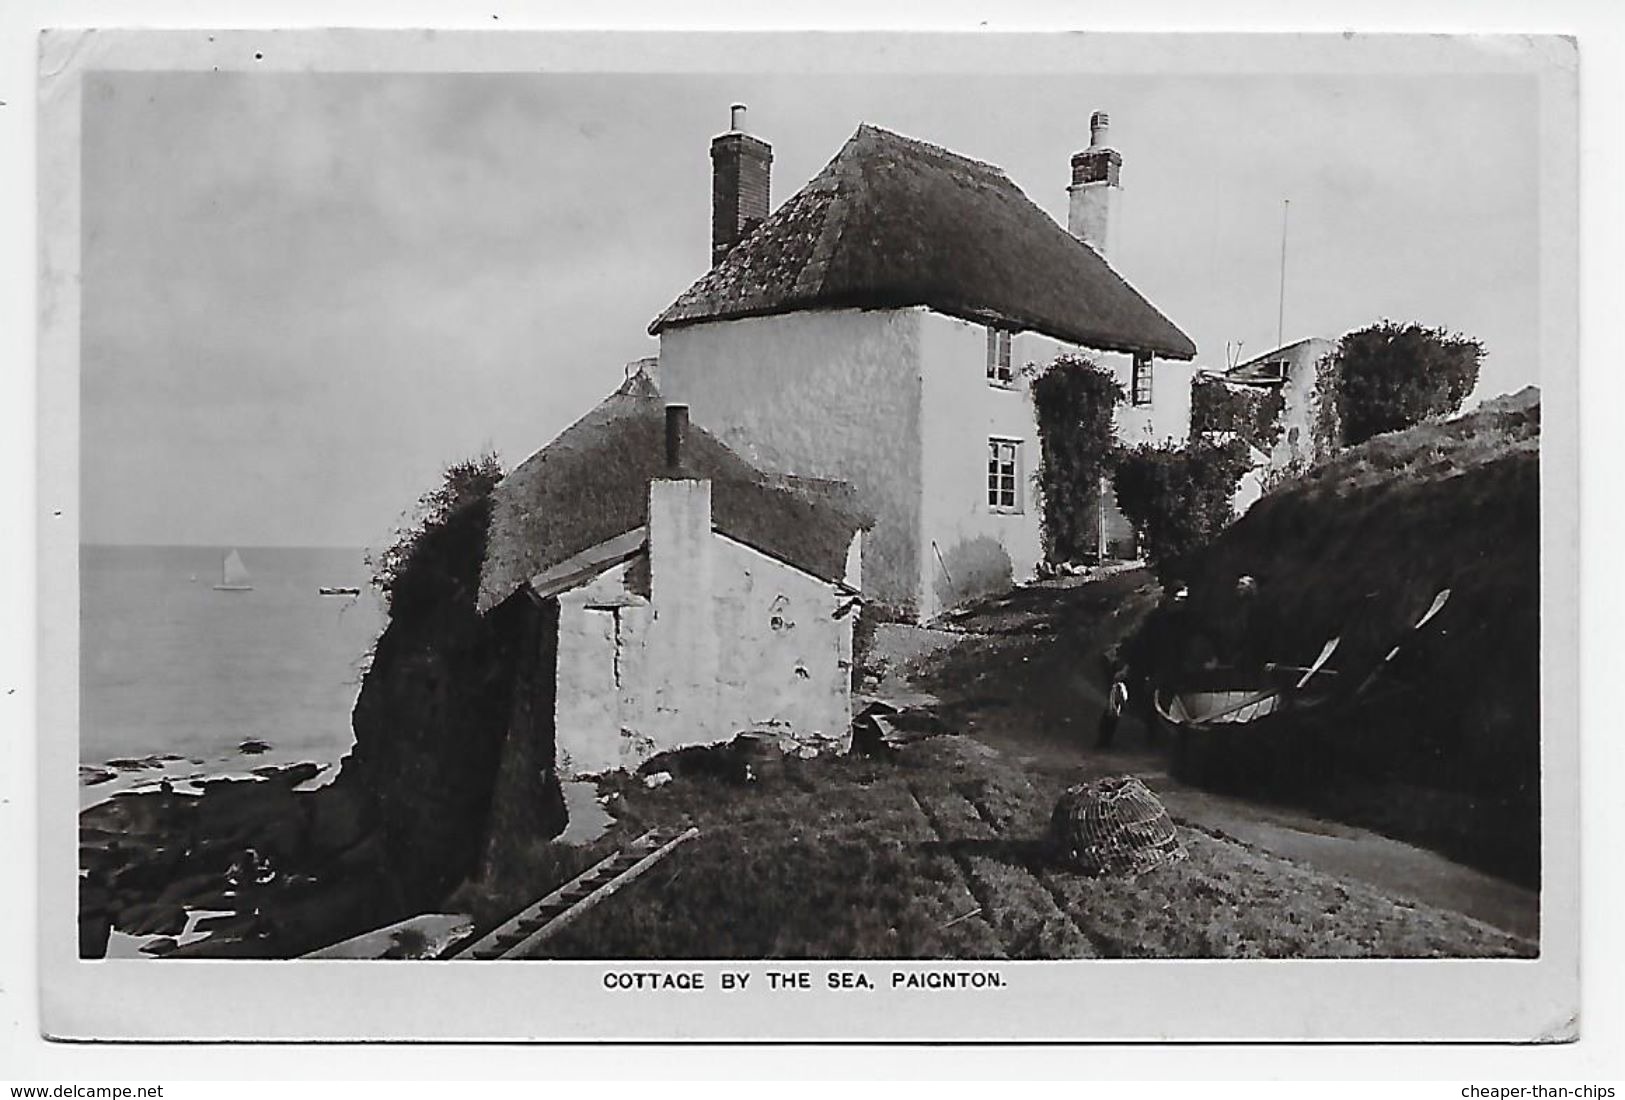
point(894, 222)
point(1262, 369)
point(591, 484)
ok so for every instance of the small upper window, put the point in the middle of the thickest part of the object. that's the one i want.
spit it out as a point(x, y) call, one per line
point(1141, 387)
point(1004, 475)
point(998, 357)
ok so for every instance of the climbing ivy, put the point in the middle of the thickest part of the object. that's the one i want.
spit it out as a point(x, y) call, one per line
point(1074, 398)
point(1326, 427)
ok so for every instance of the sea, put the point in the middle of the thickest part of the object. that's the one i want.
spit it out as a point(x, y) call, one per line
point(180, 681)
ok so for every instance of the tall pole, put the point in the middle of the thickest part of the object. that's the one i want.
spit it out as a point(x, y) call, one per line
point(1280, 314)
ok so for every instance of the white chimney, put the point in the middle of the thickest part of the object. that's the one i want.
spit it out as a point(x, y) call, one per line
point(1095, 190)
point(680, 649)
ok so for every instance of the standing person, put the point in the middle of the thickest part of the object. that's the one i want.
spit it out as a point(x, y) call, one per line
point(1116, 700)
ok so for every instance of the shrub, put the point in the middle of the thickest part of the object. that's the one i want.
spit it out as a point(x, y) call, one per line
point(1178, 498)
point(416, 570)
point(1074, 398)
point(1391, 376)
point(1250, 412)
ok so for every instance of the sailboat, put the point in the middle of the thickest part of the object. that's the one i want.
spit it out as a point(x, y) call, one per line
point(234, 575)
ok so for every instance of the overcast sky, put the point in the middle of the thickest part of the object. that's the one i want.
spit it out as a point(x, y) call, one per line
point(305, 294)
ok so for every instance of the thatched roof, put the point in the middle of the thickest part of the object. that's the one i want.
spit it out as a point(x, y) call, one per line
point(591, 484)
point(894, 222)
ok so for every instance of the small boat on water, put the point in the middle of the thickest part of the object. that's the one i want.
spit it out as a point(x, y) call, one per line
point(326, 590)
point(234, 575)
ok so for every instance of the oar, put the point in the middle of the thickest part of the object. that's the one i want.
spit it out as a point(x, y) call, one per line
point(1433, 609)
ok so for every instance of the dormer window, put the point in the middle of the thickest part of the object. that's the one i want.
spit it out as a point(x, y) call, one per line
point(998, 357)
point(1140, 387)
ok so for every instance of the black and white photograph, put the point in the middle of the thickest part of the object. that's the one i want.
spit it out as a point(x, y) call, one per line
point(895, 523)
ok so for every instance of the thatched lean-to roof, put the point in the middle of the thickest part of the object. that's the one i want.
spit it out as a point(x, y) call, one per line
point(894, 222)
point(591, 484)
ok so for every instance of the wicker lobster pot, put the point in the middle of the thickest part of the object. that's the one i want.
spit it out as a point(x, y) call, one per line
point(1113, 826)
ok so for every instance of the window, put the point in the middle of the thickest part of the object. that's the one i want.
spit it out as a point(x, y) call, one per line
point(1141, 389)
point(1003, 475)
point(998, 357)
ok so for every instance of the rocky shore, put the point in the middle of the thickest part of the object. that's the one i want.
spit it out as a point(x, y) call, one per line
point(280, 871)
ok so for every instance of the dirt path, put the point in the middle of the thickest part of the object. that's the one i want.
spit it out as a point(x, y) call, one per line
point(1024, 676)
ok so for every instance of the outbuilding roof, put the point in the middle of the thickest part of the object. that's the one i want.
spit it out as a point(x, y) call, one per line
point(894, 222)
point(591, 485)
point(1267, 368)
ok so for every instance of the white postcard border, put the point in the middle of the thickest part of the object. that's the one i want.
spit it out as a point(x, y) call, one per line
point(1094, 1000)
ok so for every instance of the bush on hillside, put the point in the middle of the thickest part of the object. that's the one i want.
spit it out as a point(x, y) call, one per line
point(415, 572)
point(1074, 398)
point(1178, 498)
point(1389, 376)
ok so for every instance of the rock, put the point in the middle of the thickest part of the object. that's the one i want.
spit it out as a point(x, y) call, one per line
point(657, 779)
point(290, 775)
point(251, 814)
point(723, 762)
point(90, 777)
point(881, 729)
point(152, 920)
point(130, 764)
point(148, 870)
point(228, 925)
point(298, 922)
point(253, 746)
point(422, 937)
point(338, 818)
point(369, 852)
point(95, 929)
point(198, 891)
point(215, 947)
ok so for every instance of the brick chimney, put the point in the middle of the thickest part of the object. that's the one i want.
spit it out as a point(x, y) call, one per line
point(676, 438)
point(741, 176)
point(1095, 190)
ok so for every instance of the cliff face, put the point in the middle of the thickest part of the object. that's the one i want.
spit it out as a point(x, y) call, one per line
point(1358, 548)
point(432, 722)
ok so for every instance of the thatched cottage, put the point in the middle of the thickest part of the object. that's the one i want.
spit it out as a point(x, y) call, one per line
point(684, 595)
point(874, 327)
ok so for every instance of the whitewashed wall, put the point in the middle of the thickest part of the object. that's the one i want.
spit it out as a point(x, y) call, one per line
point(758, 647)
point(602, 676)
point(828, 393)
point(968, 545)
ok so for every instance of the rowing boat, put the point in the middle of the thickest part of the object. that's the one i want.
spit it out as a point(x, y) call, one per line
point(1275, 732)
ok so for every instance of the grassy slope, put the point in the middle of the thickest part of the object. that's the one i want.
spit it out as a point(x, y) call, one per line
point(884, 859)
point(1358, 547)
point(860, 858)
